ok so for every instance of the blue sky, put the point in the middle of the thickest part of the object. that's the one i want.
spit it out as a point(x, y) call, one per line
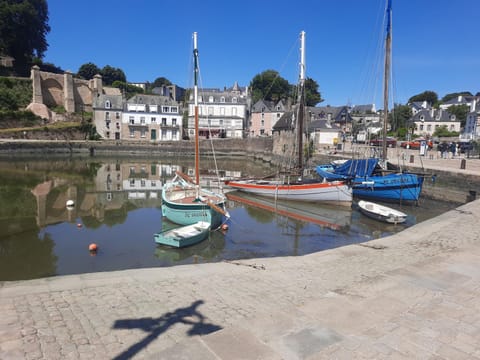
point(435, 43)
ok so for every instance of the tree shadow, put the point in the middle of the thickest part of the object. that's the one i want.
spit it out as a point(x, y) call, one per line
point(156, 326)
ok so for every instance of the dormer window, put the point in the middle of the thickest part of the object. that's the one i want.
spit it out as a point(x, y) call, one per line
point(210, 99)
point(108, 104)
point(222, 99)
point(234, 100)
point(452, 117)
point(422, 118)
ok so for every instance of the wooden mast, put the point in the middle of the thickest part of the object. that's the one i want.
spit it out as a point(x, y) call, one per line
point(388, 47)
point(195, 96)
point(301, 100)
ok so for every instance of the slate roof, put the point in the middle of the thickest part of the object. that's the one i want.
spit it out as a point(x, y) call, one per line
point(267, 106)
point(438, 115)
point(116, 101)
point(151, 100)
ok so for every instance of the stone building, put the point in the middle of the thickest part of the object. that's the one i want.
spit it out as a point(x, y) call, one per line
point(221, 113)
point(151, 117)
point(264, 116)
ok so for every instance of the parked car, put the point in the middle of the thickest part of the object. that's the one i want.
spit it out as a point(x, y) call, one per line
point(415, 144)
point(391, 142)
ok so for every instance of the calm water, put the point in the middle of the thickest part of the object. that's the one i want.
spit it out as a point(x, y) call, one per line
point(118, 207)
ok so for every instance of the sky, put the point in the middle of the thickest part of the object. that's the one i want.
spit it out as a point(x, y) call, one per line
point(435, 43)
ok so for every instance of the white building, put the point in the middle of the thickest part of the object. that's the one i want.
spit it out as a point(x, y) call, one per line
point(221, 113)
point(152, 117)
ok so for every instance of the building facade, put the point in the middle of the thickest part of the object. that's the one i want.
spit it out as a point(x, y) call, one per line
point(264, 116)
point(425, 122)
point(151, 117)
point(221, 114)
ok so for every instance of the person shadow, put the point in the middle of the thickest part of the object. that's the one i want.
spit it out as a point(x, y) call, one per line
point(154, 327)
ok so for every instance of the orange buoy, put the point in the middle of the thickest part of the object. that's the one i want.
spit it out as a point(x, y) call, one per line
point(224, 227)
point(93, 247)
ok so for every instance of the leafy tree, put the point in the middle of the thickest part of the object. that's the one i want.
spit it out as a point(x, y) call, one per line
point(111, 74)
point(23, 30)
point(454, 95)
point(442, 131)
point(461, 112)
point(399, 116)
point(161, 81)
point(312, 95)
point(429, 96)
point(88, 71)
point(130, 90)
point(269, 85)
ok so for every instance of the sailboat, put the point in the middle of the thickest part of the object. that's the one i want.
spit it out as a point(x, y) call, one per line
point(293, 185)
point(184, 201)
point(375, 178)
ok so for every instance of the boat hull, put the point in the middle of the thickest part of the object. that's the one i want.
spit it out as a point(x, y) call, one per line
point(186, 210)
point(381, 213)
point(184, 236)
point(336, 191)
point(393, 187)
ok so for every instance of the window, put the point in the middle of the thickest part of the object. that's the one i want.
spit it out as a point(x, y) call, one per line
point(222, 111)
point(107, 124)
point(142, 183)
point(132, 133)
point(210, 110)
point(452, 117)
point(108, 104)
point(421, 127)
point(142, 120)
point(220, 122)
point(131, 120)
point(210, 98)
point(117, 115)
point(142, 133)
point(262, 132)
point(132, 183)
point(154, 120)
point(107, 134)
point(263, 123)
point(452, 127)
point(174, 134)
point(166, 109)
point(174, 109)
point(222, 99)
point(174, 122)
point(234, 111)
point(164, 134)
point(234, 100)
point(422, 118)
point(429, 127)
point(164, 121)
point(117, 125)
point(107, 115)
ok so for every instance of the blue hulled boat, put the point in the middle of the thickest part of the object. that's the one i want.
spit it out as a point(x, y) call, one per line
point(370, 180)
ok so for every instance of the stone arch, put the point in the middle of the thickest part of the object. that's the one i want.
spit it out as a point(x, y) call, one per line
point(52, 91)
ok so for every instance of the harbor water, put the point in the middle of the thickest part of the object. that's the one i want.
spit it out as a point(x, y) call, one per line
point(117, 206)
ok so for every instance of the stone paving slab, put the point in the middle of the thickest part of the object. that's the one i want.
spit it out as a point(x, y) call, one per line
point(413, 295)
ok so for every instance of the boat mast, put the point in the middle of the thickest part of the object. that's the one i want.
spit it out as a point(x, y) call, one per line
point(301, 110)
point(195, 96)
point(388, 49)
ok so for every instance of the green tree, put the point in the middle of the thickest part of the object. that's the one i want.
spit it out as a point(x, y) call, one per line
point(161, 81)
point(454, 95)
point(269, 85)
point(399, 117)
point(23, 30)
point(88, 71)
point(312, 95)
point(111, 74)
point(460, 112)
point(429, 96)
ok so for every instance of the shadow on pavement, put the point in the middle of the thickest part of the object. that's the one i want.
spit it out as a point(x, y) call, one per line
point(155, 327)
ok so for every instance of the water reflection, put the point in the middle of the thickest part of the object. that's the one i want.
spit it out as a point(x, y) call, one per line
point(118, 207)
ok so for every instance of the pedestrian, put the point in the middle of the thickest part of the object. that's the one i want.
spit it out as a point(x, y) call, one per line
point(453, 147)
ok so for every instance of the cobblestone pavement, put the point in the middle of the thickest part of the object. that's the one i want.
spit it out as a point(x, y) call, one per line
point(411, 295)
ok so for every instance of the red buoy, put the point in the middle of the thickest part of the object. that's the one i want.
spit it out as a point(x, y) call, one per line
point(93, 247)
